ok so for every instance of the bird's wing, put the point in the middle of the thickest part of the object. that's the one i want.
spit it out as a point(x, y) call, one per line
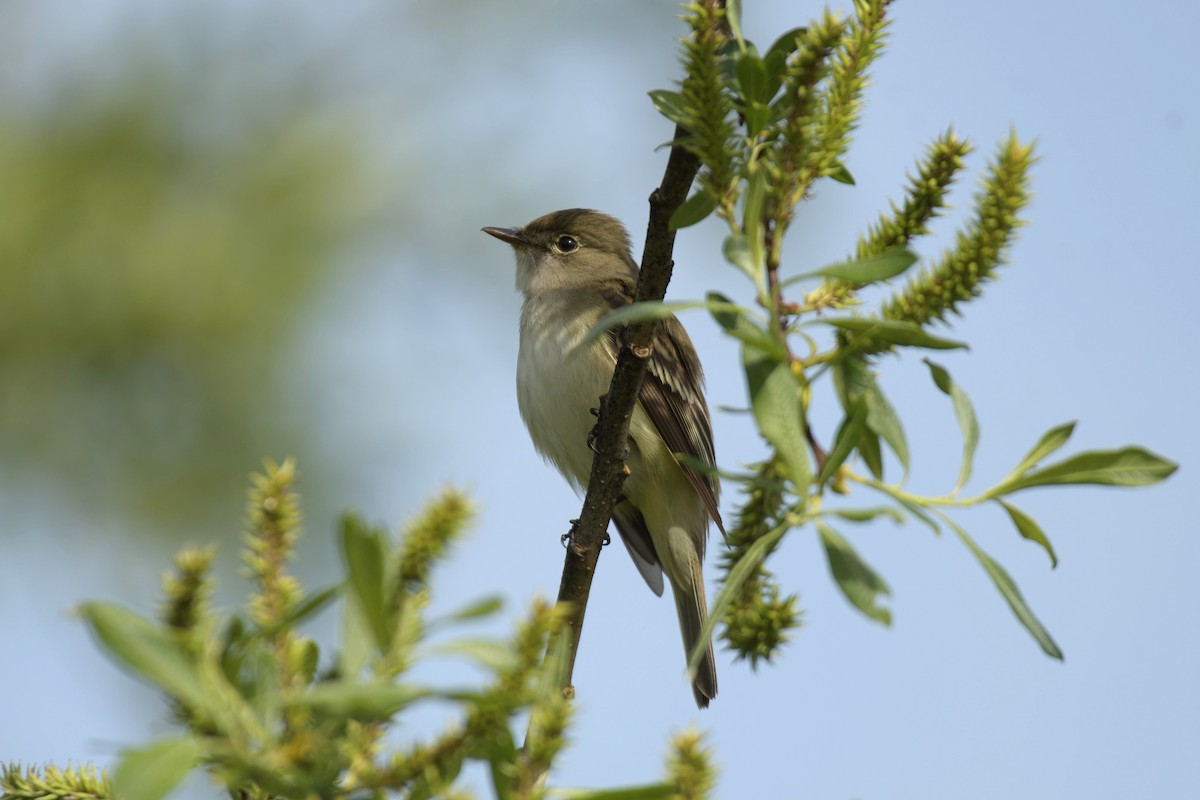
point(672, 395)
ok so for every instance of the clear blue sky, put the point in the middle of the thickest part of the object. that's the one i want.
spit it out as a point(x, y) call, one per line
point(506, 112)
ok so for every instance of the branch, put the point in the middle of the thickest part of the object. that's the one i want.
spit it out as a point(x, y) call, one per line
point(616, 407)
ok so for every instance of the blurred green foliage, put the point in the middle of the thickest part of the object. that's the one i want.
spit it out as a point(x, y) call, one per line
point(158, 247)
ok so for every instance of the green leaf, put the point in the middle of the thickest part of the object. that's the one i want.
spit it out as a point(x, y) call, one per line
point(733, 15)
point(500, 750)
point(743, 324)
point(775, 400)
point(861, 585)
point(355, 700)
point(1051, 441)
point(967, 422)
point(893, 331)
point(849, 434)
point(649, 310)
point(151, 772)
point(1010, 592)
point(653, 791)
point(364, 551)
point(920, 514)
point(484, 607)
point(883, 420)
point(148, 650)
point(310, 607)
point(888, 264)
point(852, 378)
point(756, 90)
point(357, 639)
point(842, 175)
point(693, 210)
point(1029, 529)
point(871, 453)
point(750, 561)
point(868, 514)
point(752, 75)
point(1129, 466)
point(736, 250)
point(487, 653)
point(778, 52)
point(752, 215)
point(670, 105)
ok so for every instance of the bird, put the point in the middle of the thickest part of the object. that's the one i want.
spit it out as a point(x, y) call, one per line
point(573, 267)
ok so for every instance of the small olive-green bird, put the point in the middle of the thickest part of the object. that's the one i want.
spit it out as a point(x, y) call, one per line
point(573, 268)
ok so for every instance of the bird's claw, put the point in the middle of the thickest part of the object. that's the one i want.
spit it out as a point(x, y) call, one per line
point(569, 537)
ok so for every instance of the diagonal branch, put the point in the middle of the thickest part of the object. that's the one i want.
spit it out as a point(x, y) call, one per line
point(616, 407)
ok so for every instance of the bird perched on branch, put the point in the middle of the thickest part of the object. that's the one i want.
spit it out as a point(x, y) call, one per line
point(573, 268)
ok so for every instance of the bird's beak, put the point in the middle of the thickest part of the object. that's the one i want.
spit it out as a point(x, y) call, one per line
point(511, 235)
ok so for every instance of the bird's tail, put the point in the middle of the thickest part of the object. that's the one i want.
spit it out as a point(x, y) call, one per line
point(693, 610)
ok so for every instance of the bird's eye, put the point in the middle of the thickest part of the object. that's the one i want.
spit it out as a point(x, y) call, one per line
point(566, 244)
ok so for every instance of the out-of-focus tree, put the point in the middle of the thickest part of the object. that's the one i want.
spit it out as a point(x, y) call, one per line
point(154, 260)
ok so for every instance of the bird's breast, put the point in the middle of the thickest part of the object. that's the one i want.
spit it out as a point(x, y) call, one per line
point(557, 385)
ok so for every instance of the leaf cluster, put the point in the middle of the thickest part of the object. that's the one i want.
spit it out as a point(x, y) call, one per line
point(796, 106)
point(268, 712)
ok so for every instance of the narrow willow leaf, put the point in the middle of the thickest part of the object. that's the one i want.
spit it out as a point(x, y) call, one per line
point(669, 104)
point(151, 772)
point(920, 513)
point(848, 436)
point(888, 264)
point(355, 700)
point(312, 605)
point(842, 175)
point(752, 215)
point(651, 310)
point(872, 453)
point(736, 250)
point(883, 420)
point(778, 52)
point(908, 334)
point(693, 210)
point(861, 585)
point(725, 312)
point(868, 514)
point(852, 377)
point(755, 86)
point(1051, 441)
point(1010, 592)
point(628, 315)
point(147, 650)
point(744, 324)
point(1029, 529)
point(733, 15)
point(500, 751)
point(363, 550)
point(775, 399)
point(487, 653)
point(357, 639)
point(752, 76)
point(479, 609)
point(654, 791)
point(1129, 466)
point(734, 580)
point(967, 422)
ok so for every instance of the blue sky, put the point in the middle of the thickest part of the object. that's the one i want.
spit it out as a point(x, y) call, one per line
point(503, 114)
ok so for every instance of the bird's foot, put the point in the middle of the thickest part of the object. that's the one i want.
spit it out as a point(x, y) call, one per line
point(568, 538)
